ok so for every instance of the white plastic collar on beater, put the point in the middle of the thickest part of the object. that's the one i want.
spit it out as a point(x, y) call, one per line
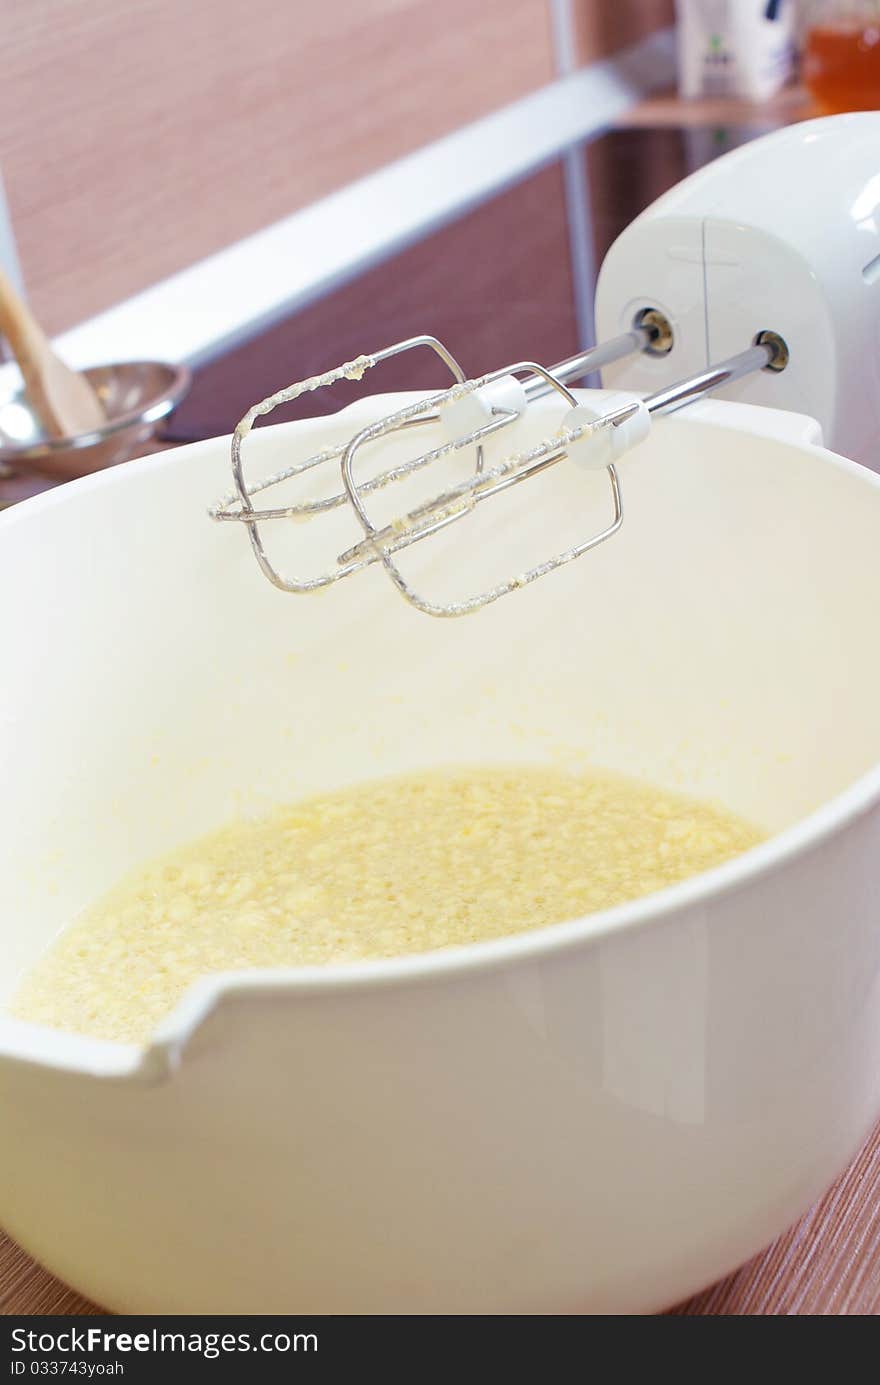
point(464, 414)
point(602, 446)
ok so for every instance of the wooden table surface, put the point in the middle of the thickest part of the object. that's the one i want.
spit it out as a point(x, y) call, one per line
point(788, 106)
point(829, 1262)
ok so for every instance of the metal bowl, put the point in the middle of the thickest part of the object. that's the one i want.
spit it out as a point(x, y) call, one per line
point(136, 395)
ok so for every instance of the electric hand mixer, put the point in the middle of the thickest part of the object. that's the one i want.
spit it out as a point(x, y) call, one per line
point(767, 263)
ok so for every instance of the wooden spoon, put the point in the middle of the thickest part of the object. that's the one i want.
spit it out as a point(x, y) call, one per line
point(63, 400)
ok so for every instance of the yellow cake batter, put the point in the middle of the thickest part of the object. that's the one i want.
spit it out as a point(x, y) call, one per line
point(390, 867)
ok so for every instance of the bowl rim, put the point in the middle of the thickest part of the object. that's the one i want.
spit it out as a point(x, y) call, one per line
point(159, 1055)
point(21, 1041)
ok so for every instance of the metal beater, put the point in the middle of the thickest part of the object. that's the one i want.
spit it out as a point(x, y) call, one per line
point(468, 415)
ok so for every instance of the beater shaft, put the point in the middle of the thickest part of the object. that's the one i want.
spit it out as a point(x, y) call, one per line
point(594, 358)
point(683, 392)
point(468, 414)
point(416, 525)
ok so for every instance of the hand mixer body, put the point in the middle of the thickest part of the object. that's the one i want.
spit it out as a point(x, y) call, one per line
point(781, 234)
point(737, 279)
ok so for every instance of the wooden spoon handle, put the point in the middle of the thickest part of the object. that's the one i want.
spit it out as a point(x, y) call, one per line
point(63, 400)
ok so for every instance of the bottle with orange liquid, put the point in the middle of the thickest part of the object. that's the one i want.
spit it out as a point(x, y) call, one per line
point(842, 55)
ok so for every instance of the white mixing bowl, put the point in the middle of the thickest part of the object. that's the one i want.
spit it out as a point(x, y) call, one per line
point(601, 1116)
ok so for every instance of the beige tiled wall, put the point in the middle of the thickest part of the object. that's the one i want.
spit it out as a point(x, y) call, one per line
point(137, 136)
